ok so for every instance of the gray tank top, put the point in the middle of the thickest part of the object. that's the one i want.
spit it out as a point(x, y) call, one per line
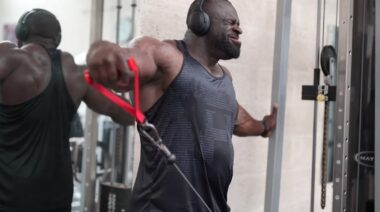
point(195, 118)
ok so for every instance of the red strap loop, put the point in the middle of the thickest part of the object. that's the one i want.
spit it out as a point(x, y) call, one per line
point(134, 111)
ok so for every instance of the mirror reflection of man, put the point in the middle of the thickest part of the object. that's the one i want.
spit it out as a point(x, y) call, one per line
point(40, 91)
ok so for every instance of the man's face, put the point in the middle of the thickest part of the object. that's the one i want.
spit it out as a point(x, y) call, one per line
point(225, 31)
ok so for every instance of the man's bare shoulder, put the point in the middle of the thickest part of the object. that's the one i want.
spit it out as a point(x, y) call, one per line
point(143, 42)
point(161, 50)
point(12, 55)
point(68, 61)
point(147, 41)
point(7, 45)
point(67, 56)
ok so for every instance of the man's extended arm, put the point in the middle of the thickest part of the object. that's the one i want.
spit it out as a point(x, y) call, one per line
point(100, 104)
point(107, 62)
point(81, 90)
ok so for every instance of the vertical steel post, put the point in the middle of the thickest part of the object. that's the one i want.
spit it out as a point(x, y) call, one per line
point(130, 130)
point(118, 10)
point(377, 106)
point(91, 126)
point(126, 132)
point(315, 111)
point(279, 87)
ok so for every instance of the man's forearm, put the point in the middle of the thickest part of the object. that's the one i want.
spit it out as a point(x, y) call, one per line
point(250, 127)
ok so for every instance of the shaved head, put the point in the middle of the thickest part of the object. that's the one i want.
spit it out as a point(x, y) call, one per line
point(211, 6)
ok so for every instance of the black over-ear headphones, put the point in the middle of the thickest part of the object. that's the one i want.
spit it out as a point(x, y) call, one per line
point(198, 21)
point(22, 29)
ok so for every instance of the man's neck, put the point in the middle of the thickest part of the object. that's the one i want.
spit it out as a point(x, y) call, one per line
point(46, 43)
point(197, 48)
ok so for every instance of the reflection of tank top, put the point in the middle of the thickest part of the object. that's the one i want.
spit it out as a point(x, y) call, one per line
point(35, 162)
point(195, 118)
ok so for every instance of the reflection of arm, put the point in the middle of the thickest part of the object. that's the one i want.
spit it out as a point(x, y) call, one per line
point(10, 59)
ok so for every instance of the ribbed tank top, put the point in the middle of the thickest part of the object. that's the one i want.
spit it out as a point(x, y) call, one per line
point(195, 118)
point(35, 162)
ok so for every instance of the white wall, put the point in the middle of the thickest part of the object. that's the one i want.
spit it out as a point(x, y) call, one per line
point(73, 16)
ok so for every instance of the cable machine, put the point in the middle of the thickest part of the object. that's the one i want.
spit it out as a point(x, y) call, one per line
point(116, 162)
point(354, 136)
point(377, 112)
point(354, 146)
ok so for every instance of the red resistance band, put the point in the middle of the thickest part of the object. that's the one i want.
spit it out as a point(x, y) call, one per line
point(134, 111)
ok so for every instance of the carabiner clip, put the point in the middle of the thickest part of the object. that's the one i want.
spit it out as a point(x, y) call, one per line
point(150, 132)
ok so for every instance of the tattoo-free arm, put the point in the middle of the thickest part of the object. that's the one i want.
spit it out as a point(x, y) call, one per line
point(107, 62)
point(102, 105)
point(10, 58)
point(246, 125)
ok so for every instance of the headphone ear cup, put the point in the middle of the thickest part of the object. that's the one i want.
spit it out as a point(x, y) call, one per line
point(199, 23)
point(21, 30)
point(57, 39)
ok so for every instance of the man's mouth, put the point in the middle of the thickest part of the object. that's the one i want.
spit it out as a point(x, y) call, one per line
point(234, 39)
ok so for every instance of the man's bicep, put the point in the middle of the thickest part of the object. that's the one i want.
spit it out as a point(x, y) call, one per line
point(242, 115)
point(240, 120)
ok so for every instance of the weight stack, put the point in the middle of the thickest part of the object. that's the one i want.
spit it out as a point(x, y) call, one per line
point(114, 197)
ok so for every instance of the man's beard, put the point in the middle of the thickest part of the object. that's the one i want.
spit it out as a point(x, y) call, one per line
point(229, 49)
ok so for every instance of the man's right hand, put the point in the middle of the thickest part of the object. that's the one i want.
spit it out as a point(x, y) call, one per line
point(108, 66)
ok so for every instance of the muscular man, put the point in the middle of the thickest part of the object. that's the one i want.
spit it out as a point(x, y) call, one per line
point(190, 98)
point(40, 91)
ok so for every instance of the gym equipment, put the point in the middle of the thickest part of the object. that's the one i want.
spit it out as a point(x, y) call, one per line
point(352, 133)
point(114, 197)
point(328, 65)
point(146, 129)
point(355, 135)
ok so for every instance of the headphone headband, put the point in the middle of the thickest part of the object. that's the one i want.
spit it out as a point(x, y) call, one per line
point(27, 14)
